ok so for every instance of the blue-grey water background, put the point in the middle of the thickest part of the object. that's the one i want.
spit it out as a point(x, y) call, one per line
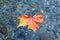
point(11, 9)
